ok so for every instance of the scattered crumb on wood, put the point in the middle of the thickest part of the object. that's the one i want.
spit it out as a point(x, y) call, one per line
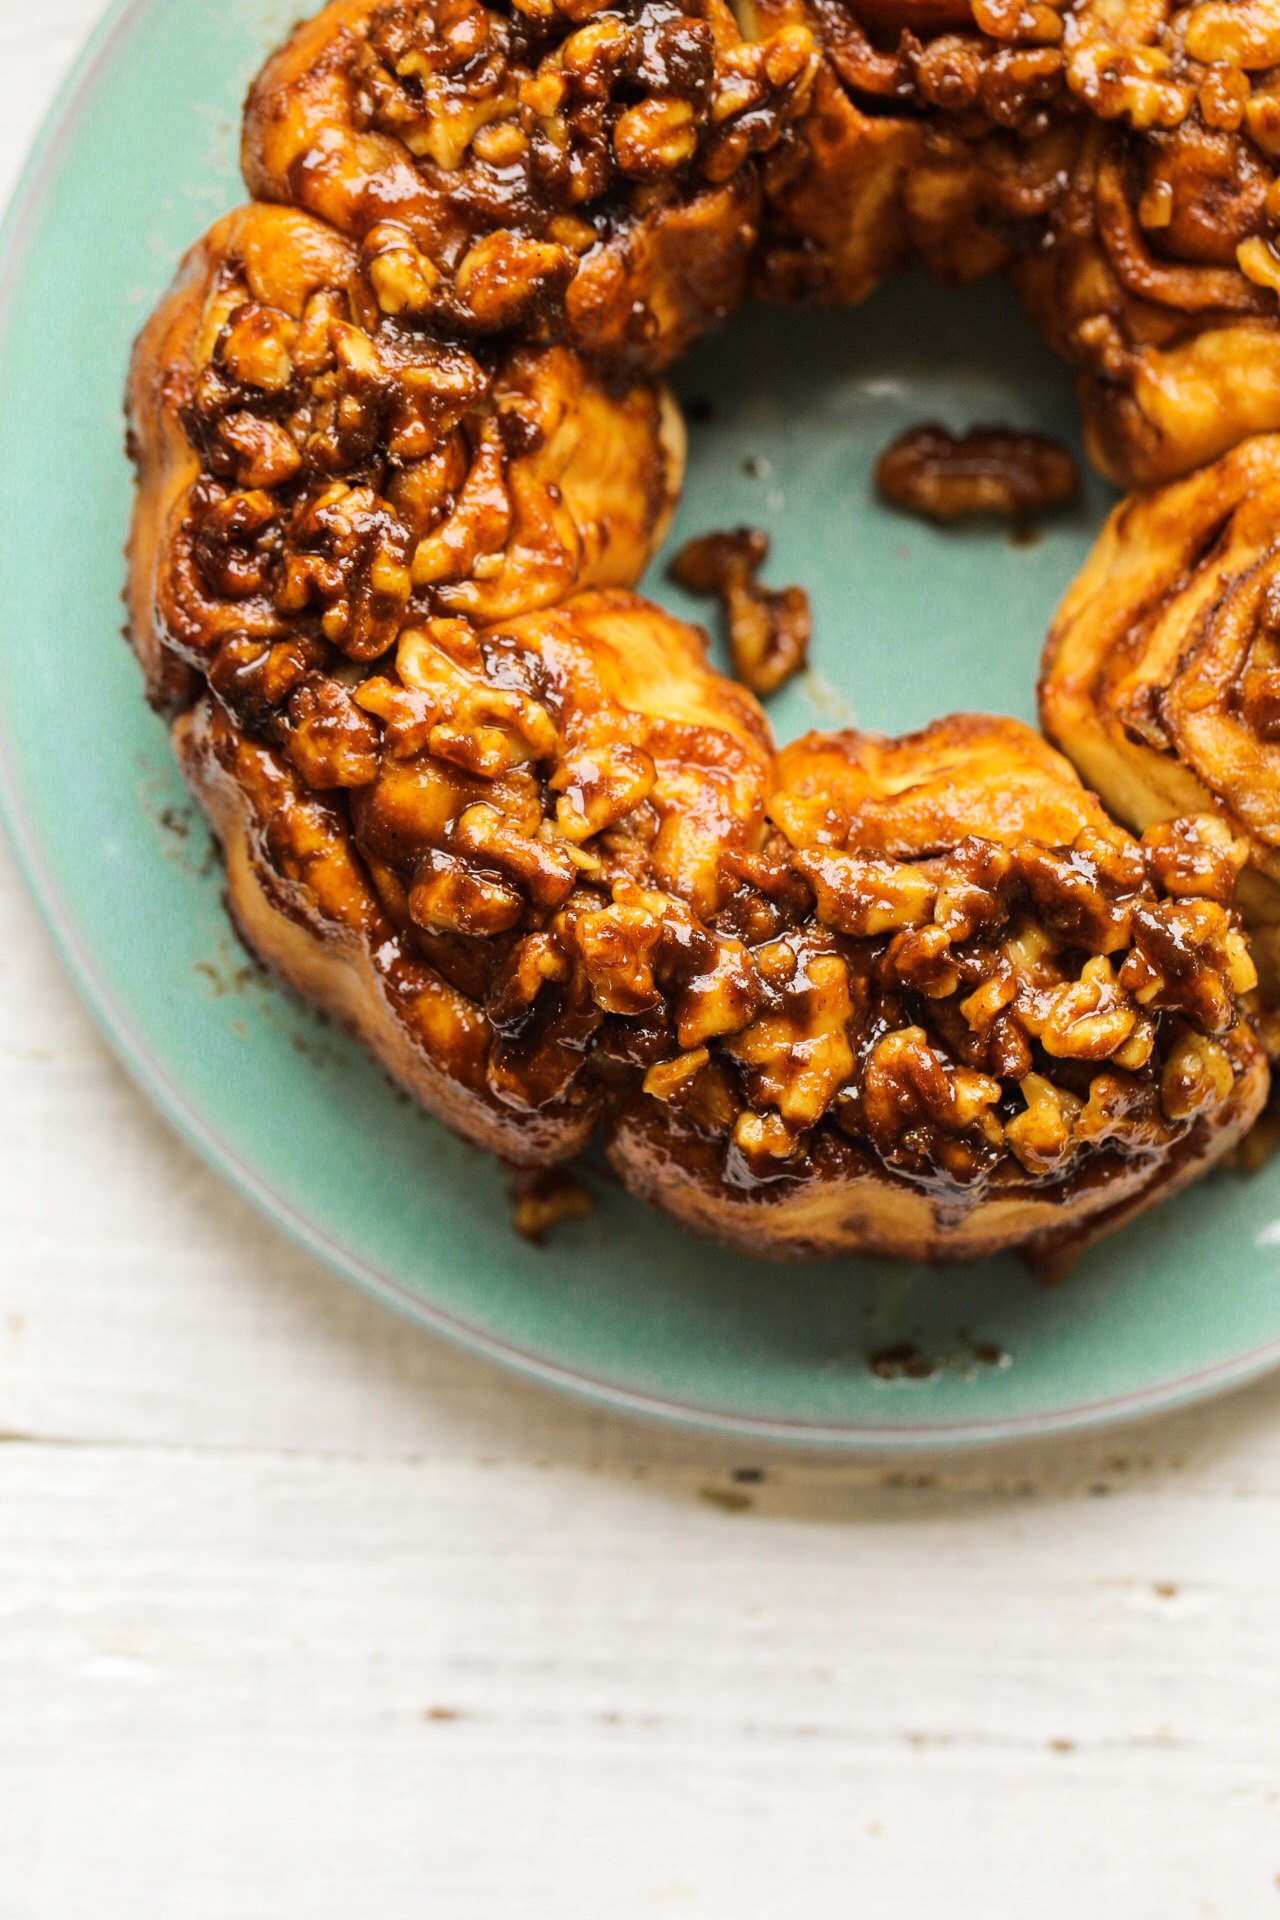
point(728, 1499)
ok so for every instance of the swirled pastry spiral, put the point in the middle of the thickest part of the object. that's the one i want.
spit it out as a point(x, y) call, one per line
point(1159, 280)
point(1161, 676)
point(402, 461)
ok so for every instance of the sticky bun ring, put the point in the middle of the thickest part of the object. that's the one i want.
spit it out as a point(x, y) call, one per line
point(403, 459)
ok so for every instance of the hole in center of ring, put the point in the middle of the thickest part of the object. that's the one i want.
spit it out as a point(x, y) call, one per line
point(788, 410)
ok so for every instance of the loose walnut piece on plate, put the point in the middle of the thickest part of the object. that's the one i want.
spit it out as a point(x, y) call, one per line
point(768, 632)
point(944, 477)
point(542, 1200)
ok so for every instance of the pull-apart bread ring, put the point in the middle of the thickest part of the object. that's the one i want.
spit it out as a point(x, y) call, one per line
point(555, 166)
point(402, 461)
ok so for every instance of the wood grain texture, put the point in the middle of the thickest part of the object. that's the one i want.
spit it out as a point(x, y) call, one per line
point(303, 1615)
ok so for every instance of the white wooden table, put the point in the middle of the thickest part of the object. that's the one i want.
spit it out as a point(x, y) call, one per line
point(303, 1617)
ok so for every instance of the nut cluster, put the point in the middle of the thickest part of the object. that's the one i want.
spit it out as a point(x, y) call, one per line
point(995, 1001)
point(585, 96)
point(525, 139)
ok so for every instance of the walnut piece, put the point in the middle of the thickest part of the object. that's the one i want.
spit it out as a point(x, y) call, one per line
point(768, 632)
point(543, 1199)
point(944, 477)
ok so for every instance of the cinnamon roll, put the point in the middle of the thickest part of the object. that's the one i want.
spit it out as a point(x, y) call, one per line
point(1161, 676)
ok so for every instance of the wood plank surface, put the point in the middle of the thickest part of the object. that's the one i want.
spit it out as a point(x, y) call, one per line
point(303, 1616)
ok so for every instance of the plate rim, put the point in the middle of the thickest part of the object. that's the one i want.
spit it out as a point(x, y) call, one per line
point(21, 217)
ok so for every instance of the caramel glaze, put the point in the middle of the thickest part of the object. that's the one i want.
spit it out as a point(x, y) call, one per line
point(496, 812)
point(557, 166)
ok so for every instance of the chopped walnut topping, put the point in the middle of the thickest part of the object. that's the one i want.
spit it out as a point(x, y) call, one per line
point(1041, 1136)
point(331, 742)
point(513, 130)
point(1196, 855)
point(348, 555)
point(955, 1010)
point(768, 632)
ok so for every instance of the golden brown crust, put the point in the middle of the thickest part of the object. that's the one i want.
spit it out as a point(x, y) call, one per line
point(468, 909)
point(595, 170)
point(843, 1201)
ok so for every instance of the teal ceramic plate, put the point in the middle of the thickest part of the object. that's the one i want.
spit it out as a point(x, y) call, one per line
point(910, 623)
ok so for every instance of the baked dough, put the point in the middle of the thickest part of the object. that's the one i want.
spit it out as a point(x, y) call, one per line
point(1161, 676)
